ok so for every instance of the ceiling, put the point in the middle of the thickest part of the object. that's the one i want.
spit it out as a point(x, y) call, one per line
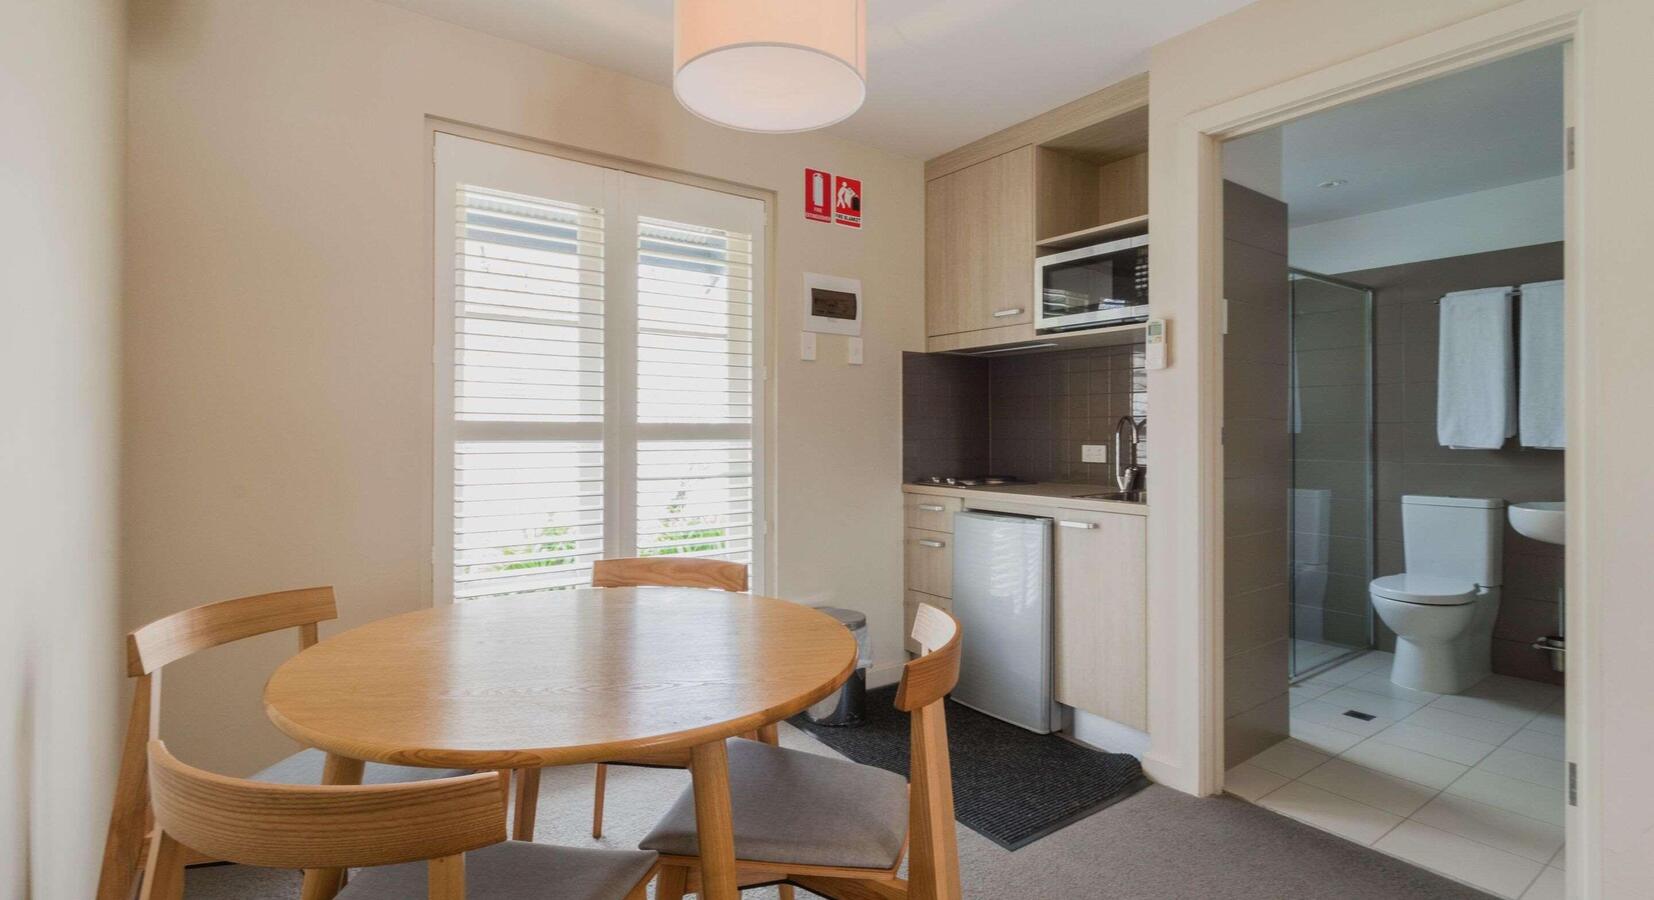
point(1491, 126)
point(941, 73)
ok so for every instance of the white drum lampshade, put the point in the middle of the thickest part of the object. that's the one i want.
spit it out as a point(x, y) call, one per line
point(771, 65)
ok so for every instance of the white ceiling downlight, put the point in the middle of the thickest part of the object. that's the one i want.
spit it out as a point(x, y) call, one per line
point(770, 65)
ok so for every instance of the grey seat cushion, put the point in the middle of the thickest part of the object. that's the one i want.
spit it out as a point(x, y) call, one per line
point(305, 767)
point(515, 870)
point(799, 808)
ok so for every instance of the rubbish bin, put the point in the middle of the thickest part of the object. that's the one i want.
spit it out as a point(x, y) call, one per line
point(845, 706)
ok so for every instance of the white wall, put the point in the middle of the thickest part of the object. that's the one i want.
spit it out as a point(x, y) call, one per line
point(61, 74)
point(1516, 215)
point(279, 320)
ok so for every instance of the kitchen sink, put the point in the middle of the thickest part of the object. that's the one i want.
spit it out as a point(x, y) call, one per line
point(1118, 496)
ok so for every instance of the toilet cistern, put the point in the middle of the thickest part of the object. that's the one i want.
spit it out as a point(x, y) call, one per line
point(1542, 520)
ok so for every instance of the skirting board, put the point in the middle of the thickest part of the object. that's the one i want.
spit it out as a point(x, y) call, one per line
point(1107, 734)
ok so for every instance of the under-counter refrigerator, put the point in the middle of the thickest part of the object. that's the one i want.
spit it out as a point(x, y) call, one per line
point(1002, 599)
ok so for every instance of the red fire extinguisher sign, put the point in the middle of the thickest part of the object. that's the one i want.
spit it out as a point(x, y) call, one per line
point(818, 189)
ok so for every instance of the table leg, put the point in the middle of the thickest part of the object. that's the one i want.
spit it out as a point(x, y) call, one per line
point(322, 884)
point(709, 767)
point(528, 798)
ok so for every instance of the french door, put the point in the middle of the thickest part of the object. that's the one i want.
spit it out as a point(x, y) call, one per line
point(598, 389)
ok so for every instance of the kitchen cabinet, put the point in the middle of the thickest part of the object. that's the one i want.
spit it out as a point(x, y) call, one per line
point(930, 562)
point(979, 246)
point(1100, 595)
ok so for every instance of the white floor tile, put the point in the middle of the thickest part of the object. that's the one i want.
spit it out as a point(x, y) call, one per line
point(1485, 730)
point(1551, 884)
point(1451, 747)
point(1536, 694)
point(1332, 716)
point(1289, 758)
point(1302, 693)
point(1509, 794)
point(1506, 711)
point(1460, 858)
point(1527, 767)
point(1330, 741)
point(1507, 831)
point(1250, 782)
point(1421, 768)
point(1380, 683)
point(1560, 860)
point(1549, 722)
point(1539, 743)
point(1374, 704)
point(1374, 661)
point(1330, 812)
point(1386, 792)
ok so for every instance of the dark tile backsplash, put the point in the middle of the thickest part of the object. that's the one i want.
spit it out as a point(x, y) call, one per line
point(1023, 416)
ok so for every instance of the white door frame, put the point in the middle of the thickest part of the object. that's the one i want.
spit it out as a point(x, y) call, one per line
point(1195, 157)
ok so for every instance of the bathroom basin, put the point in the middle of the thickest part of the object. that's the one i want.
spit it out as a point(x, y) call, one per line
point(1542, 520)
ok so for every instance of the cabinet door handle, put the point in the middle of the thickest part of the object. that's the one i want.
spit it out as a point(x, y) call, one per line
point(927, 542)
point(1067, 524)
point(932, 507)
point(1006, 313)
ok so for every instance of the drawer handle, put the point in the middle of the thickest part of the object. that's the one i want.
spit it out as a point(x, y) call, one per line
point(1006, 313)
point(1067, 524)
point(932, 507)
point(927, 542)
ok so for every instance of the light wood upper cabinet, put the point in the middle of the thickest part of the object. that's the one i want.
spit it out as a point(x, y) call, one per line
point(1101, 612)
point(979, 246)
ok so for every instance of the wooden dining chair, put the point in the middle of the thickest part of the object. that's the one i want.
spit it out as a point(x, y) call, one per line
point(170, 639)
point(658, 571)
point(437, 839)
point(833, 827)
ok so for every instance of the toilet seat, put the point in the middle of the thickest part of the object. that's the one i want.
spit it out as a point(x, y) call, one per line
point(1425, 590)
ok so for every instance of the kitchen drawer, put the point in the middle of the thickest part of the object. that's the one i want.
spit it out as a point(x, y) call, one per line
point(910, 609)
point(930, 562)
point(929, 512)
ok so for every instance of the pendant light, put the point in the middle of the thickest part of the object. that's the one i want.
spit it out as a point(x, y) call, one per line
point(770, 65)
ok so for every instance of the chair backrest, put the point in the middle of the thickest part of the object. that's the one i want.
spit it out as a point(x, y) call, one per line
point(289, 826)
point(195, 629)
point(666, 571)
point(933, 860)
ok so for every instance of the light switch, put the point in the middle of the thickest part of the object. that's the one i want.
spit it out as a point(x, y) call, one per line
point(1094, 453)
point(855, 351)
point(807, 346)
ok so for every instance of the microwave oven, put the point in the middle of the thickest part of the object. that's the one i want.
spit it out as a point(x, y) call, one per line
point(1104, 284)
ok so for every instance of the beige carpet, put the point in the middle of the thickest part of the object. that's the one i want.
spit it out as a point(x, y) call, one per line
point(1157, 845)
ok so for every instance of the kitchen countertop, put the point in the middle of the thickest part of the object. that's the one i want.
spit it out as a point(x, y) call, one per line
point(1041, 493)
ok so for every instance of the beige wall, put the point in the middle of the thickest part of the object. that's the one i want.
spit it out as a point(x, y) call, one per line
point(1610, 491)
point(279, 329)
point(61, 73)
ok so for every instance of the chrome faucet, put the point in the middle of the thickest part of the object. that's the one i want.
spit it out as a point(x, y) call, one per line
point(1125, 476)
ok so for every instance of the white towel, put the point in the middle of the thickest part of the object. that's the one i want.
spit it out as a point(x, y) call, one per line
point(1540, 378)
point(1476, 381)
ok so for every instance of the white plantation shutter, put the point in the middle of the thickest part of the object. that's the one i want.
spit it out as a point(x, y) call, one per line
point(596, 396)
point(695, 333)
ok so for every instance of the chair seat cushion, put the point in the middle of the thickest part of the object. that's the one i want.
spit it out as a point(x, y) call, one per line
point(515, 870)
point(799, 808)
point(305, 767)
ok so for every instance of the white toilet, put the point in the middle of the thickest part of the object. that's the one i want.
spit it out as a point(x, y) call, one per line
point(1443, 607)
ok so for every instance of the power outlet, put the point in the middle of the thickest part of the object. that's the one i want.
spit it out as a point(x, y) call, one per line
point(1094, 453)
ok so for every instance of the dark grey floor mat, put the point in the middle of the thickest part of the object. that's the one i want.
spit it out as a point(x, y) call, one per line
point(1009, 785)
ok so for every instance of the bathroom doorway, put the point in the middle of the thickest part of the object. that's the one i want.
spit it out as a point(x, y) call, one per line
point(1393, 459)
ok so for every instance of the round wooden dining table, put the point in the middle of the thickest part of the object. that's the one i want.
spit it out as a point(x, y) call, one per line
point(574, 677)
